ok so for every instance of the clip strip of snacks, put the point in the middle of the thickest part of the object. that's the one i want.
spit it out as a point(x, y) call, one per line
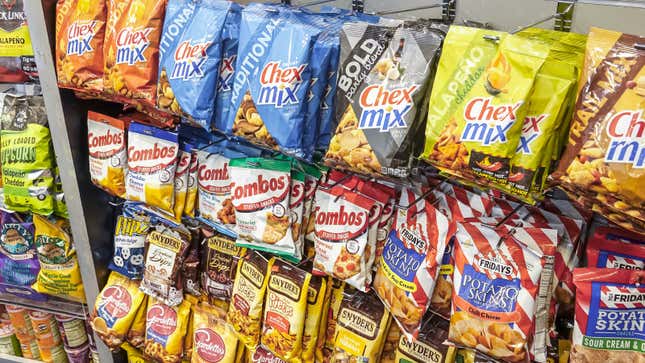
point(275, 209)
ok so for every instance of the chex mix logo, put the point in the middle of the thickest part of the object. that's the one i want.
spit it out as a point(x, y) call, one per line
point(530, 132)
point(226, 72)
point(495, 266)
point(385, 109)
point(622, 297)
point(189, 60)
point(279, 86)
point(626, 130)
point(486, 123)
point(79, 37)
point(131, 44)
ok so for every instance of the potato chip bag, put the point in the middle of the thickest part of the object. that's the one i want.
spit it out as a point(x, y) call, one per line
point(315, 302)
point(615, 253)
point(152, 161)
point(249, 288)
point(137, 332)
point(115, 309)
point(608, 319)
point(131, 49)
point(129, 244)
point(59, 271)
point(80, 29)
point(478, 103)
point(285, 310)
point(409, 266)
point(220, 257)
point(214, 340)
point(165, 330)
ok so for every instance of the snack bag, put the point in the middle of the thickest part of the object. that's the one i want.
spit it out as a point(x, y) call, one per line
point(388, 355)
point(18, 254)
point(474, 127)
point(115, 309)
point(17, 54)
point(131, 49)
point(165, 330)
point(214, 187)
point(152, 161)
point(603, 159)
point(608, 323)
point(285, 310)
point(262, 355)
point(190, 52)
point(245, 310)
point(312, 179)
point(213, 339)
point(220, 258)
point(59, 271)
point(329, 318)
point(80, 29)
point(181, 184)
point(479, 202)
point(166, 249)
point(129, 244)
point(362, 326)
point(192, 188)
point(604, 253)
point(382, 82)
point(428, 347)
point(230, 35)
point(27, 155)
point(137, 332)
point(260, 190)
point(297, 208)
point(270, 91)
point(315, 302)
point(409, 266)
point(134, 355)
point(341, 235)
point(496, 279)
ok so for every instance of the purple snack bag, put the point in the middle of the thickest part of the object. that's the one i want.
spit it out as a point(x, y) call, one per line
point(19, 264)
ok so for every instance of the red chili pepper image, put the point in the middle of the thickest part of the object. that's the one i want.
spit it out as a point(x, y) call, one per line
point(490, 167)
point(516, 177)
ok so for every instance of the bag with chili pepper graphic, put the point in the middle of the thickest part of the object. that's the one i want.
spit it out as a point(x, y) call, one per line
point(477, 104)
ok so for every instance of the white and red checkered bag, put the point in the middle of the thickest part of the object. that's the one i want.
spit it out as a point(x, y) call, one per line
point(480, 202)
point(408, 268)
point(613, 248)
point(609, 316)
point(498, 281)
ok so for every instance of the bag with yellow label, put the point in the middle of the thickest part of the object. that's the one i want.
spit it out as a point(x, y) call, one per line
point(477, 105)
point(315, 301)
point(165, 330)
point(214, 340)
point(59, 271)
point(115, 309)
point(106, 139)
point(134, 354)
point(327, 330)
point(137, 333)
point(428, 347)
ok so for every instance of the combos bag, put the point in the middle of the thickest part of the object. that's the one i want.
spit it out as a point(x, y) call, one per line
point(408, 268)
point(476, 109)
point(214, 187)
point(131, 49)
point(165, 330)
point(608, 321)
point(605, 155)
point(190, 52)
point(152, 162)
point(115, 309)
point(107, 149)
point(59, 273)
point(80, 29)
point(382, 80)
point(129, 243)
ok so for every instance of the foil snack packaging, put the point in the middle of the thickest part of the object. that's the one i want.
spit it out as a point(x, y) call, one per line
point(383, 76)
point(230, 37)
point(106, 139)
point(129, 243)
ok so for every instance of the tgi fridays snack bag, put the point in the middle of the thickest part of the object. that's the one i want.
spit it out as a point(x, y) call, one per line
point(604, 158)
point(609, 316)
point(383, 76)
point(477, 105)
point(131, 49)
point(106, 140)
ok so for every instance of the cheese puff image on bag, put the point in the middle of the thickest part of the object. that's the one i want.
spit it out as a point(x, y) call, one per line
point(106, 138)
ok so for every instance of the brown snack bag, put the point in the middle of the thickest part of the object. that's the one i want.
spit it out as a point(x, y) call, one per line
point(220, 258)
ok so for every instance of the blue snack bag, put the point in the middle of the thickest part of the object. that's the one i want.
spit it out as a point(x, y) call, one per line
point(230, 36)
point(190, 52)
point(272, 79)
point(18, 258)
point(129, 243)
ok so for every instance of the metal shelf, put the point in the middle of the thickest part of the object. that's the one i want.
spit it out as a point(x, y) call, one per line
point(12, 358)
point(54, 306)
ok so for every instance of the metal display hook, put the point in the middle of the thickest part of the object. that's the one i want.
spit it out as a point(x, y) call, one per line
point(443, 4)
point(559, 16)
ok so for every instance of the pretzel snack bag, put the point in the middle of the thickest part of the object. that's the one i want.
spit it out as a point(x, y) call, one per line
point(214, 341)
point(165, 330)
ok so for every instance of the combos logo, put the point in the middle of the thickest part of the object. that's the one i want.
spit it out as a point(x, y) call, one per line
point(279, 86)
point(161, 319)
point(226, 72)
point(209, 345)
point(116, 301)
point(151, 158)
point(260, 186)
point(626, 130)
point(262, 192)
point(131, 45)
point(339, 223)
point(385, 109)
point(79, 37)
point(297, 193)
point(106, 143)
point(189, 60)
point(214, 177)
point(488, 124)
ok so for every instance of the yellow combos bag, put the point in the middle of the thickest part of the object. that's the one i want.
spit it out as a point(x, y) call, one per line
point(477, 105)
point(59, 272)
point(285, 310)
point(106, 140)
point(315, 303)
point(245, 310)
point(214, 341)
point(152, 161)
point(115, 309)
point(165, 330)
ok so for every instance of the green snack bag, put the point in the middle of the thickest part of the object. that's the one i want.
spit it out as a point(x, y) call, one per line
point(27, 161)
point(478, 102)
point(60, 207)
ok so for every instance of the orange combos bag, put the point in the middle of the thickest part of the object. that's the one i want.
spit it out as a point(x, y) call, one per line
point(80, 29)
point(106, 139)
point(131, 49)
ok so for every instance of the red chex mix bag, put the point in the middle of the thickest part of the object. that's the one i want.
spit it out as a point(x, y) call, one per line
point(610, 316)
point(408, 268)
point(497, 277)
point(607, 249)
